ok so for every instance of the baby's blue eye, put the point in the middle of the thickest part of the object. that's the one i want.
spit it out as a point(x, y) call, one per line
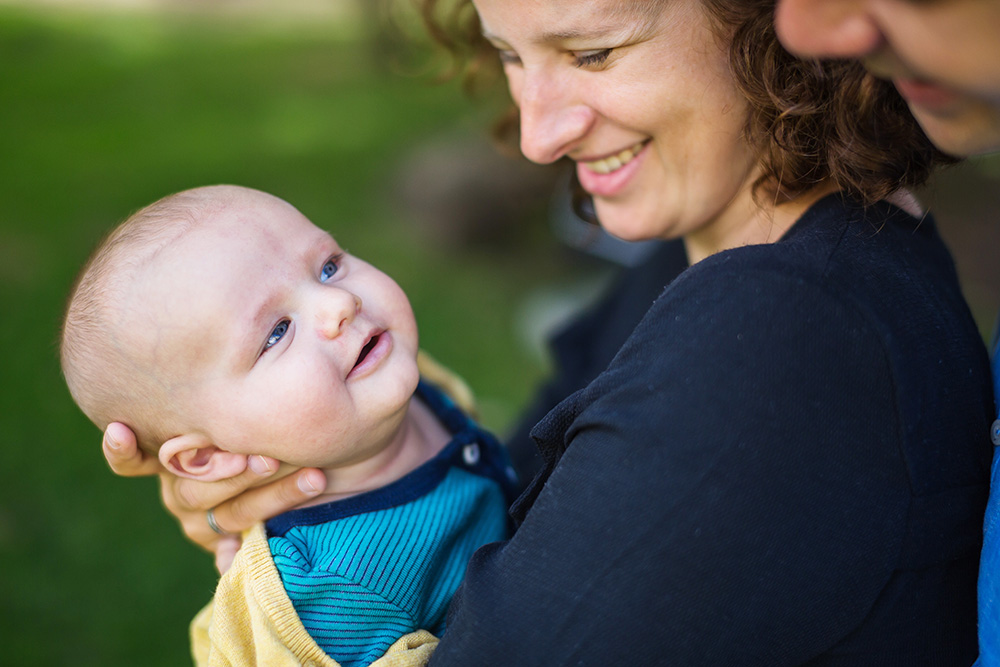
point(276, 335)
point(329, 268)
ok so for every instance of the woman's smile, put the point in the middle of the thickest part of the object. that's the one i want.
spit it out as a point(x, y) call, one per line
point(610, 176)
point(614, 162)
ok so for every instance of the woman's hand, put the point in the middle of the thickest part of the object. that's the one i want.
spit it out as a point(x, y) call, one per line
point(235, 504)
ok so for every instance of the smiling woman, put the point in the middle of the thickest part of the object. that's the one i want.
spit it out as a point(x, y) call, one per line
point(716, 458)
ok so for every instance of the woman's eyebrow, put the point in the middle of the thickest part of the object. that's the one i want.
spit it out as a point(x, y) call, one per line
point(624, 18)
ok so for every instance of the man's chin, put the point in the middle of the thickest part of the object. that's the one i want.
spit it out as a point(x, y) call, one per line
point(972, 133)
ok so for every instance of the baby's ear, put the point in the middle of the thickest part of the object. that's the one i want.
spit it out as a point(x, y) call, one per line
point(194, 457)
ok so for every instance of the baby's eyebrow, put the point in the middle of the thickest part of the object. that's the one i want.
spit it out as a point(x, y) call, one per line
point(324, 241)
point(251, 333)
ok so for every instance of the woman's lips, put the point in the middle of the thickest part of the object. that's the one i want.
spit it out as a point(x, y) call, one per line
point(609, 176)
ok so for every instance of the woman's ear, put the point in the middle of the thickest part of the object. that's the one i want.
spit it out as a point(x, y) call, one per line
point(194, 457)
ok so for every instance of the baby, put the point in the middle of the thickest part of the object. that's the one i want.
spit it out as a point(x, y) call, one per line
point(219, 323)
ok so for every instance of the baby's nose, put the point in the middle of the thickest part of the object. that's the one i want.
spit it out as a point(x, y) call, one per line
point(336, 312)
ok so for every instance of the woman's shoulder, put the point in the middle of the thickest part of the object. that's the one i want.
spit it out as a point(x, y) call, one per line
point(841, 315)
point(869, 259)
point(870, 287)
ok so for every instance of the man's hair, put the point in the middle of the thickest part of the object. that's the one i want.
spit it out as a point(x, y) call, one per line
point(813, 120)
point(103, 369)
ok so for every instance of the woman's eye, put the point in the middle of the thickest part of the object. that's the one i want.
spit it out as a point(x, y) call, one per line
point(509, 58)
point(591, 58)
point(329, 268)
point(277, 334)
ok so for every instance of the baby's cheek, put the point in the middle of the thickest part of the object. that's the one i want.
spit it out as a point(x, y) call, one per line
point(318, 408)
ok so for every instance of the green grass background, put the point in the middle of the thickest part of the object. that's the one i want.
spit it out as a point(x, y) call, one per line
point(102, 113)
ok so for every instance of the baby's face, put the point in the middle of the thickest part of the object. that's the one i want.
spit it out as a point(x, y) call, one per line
point(277, 341)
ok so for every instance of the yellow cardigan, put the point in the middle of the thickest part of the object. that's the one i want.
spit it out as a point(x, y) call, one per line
point(251, 621)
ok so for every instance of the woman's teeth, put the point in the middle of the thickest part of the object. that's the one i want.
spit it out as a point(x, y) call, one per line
point(615, 162)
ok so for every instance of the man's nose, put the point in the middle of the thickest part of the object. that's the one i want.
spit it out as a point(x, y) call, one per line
point(828, 28)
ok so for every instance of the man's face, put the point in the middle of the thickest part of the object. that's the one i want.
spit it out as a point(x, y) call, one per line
point(942, 55)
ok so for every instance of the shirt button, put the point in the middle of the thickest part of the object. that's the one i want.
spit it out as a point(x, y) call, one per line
point(995, 432)
point(470, 454)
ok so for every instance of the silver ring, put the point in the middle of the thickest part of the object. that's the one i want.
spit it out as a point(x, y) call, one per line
point(213, 524)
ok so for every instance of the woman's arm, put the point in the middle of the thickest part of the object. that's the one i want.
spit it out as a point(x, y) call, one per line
point(586, 345)
point(236, 505)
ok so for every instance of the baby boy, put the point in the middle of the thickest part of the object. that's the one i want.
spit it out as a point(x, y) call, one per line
point(219, 323)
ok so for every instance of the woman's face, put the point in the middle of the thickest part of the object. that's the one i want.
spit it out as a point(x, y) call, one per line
point(638, 93)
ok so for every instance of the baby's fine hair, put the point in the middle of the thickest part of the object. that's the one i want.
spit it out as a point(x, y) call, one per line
point(102, 371)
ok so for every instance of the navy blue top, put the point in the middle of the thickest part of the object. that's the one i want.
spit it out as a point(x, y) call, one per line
point(785, 464)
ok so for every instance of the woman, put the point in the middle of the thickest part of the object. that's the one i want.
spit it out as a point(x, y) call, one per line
point(785, 463)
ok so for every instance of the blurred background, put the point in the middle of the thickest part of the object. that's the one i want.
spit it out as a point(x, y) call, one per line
point(108, 105)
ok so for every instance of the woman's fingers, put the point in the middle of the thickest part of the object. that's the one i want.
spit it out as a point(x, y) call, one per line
point(262, 503)
point(189, 500)
point(123, 453)
point(235, 508)
point(183, 495)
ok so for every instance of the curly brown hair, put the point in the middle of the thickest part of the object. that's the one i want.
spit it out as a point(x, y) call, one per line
point(818, 120)
point(814, 120)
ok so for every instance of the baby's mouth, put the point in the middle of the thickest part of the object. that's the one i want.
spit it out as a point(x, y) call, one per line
point(368, 347)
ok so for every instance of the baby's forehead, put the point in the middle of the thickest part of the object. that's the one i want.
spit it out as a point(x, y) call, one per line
point(199, 291)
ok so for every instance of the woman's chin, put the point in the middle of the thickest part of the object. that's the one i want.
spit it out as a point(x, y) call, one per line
point(628, 224)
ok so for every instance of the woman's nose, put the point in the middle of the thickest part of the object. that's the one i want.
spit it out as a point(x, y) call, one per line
point(827, 28)
point(337, 308)
point(553, 118)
